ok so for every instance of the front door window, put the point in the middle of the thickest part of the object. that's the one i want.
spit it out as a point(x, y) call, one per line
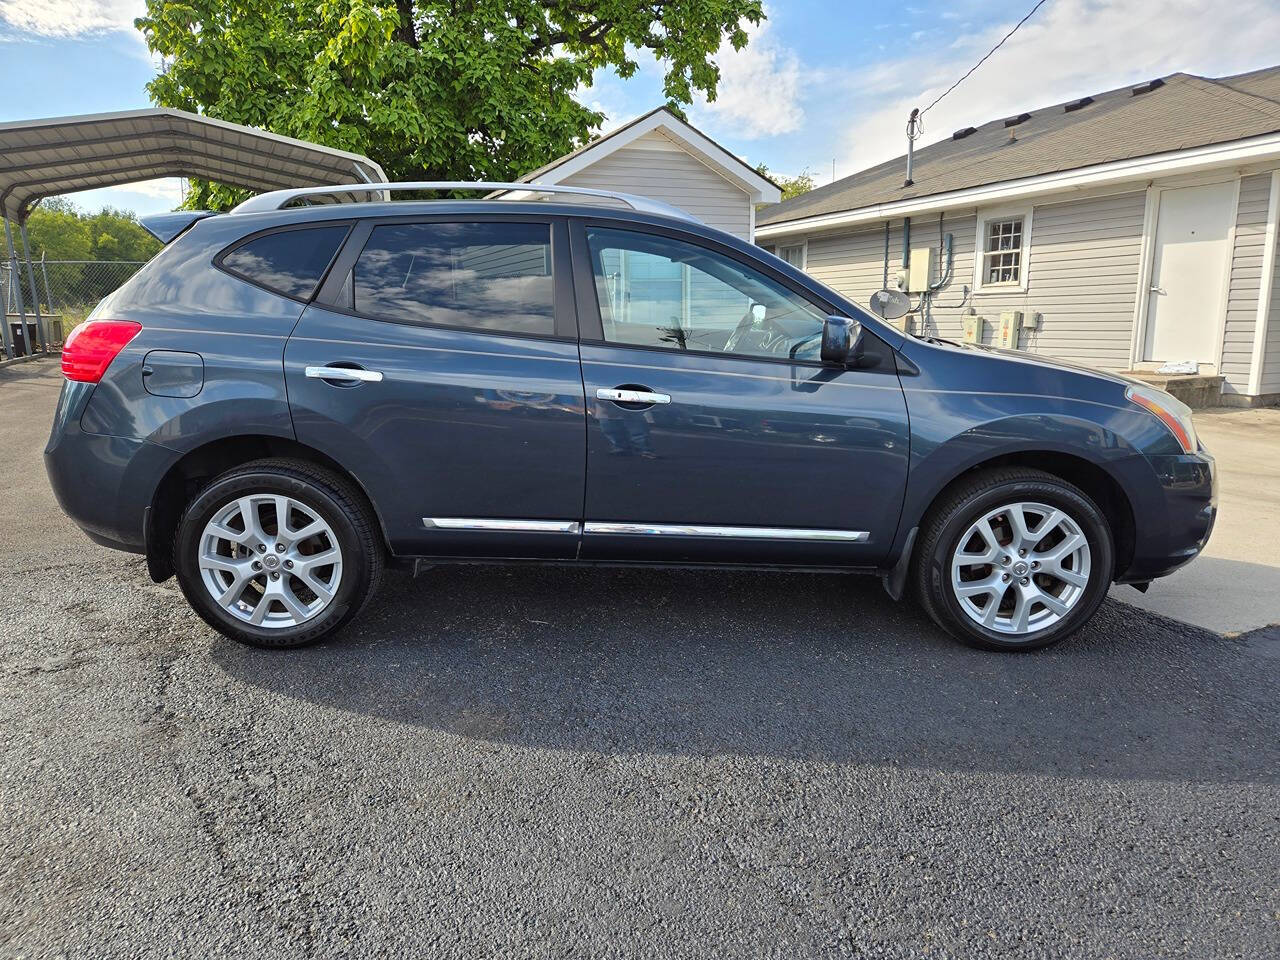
point(657, 291)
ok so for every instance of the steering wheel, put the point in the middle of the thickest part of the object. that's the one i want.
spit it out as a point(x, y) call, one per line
point(773, 334)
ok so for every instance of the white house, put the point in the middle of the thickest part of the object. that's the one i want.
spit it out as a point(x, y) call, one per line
point(660, 156)
point(1130, 230)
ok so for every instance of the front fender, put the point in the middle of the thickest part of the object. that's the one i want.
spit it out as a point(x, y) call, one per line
point(955, 432)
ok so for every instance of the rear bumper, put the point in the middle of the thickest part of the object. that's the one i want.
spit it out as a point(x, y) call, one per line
point(1175, 520)
point(104, 484)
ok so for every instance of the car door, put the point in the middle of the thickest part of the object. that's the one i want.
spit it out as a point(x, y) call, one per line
point(714, 432)
point(439, 365)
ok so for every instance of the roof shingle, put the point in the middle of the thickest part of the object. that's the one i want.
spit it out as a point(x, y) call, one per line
point(1185, 111)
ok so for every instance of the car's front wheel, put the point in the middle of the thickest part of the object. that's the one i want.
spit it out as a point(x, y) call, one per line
point(278, 553)
point(1013, 559)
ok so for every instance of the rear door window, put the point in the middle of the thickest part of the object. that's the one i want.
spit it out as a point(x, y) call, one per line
point(291, 261)
point(482, 276)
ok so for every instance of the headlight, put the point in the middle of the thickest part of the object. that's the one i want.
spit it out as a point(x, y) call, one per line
point(1173, 413)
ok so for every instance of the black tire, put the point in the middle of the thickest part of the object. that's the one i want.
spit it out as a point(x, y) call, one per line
point(967, 503)
point(334, 499)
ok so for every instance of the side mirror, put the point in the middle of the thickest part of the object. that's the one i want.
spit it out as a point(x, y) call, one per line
point(841, 341)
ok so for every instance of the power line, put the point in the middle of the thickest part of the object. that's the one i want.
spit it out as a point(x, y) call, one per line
point(1040, 4)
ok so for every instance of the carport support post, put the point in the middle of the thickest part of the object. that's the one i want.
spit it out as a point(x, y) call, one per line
point(35, 292)
point(13, 275)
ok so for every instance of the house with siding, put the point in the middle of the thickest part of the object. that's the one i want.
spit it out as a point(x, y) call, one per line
point(1128, 230)
point(662, 157)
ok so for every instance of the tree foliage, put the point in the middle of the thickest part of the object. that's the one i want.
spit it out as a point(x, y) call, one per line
point(801, 183)
point(430, 89)
point(61, 231)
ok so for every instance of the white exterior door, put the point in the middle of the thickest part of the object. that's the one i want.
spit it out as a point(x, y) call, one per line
point(1188, 271)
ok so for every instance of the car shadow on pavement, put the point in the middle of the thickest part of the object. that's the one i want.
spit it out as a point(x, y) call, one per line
point(800, 666)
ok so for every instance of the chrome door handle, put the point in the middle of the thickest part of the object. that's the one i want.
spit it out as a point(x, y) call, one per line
point(632, 396)
point(344, 373)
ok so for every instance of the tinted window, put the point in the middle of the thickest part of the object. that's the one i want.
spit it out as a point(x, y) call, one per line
point(659, 292)
point(486, 276)
point(288, 261)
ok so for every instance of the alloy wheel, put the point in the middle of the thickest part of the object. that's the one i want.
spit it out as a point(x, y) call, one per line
point(1020, 568)
point(270, 560)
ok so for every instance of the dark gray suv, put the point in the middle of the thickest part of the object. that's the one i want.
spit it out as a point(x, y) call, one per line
point(288, 397)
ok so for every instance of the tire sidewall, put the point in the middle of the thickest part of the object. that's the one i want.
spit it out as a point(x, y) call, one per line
point(1080, 508)
point(215, 497)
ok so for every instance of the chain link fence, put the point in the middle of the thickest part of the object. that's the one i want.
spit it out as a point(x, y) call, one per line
point(66, 291)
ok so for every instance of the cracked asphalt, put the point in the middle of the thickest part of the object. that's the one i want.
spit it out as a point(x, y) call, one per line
point(555, 763)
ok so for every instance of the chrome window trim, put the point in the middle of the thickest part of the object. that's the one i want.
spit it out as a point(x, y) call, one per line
point(491, 525)
point(746, 533)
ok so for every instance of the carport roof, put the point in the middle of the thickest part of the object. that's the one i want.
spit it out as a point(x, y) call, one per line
point(41, 158)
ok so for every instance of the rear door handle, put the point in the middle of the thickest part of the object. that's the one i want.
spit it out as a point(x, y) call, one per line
point(619, 395)
point(344, 373)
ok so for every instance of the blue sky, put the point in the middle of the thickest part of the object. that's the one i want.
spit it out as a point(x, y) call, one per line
point(820, 81)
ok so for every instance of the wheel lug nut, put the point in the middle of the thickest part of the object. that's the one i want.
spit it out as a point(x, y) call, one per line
point(257, 565)
point(1024, 580)
point(1005, 578)
point(1022, 553)
point(262, 548)
point(276, 576)
point(1004, 560)
point(289, 564)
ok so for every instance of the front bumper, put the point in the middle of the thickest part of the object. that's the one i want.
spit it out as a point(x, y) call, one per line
point(1175, 519)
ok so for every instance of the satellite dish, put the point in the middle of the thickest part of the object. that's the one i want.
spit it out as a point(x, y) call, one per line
point(890, 304)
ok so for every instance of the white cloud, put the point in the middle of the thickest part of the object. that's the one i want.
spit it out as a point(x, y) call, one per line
point(66, 18)
point(759, 91)
point(1069, 49)
point(146, 196)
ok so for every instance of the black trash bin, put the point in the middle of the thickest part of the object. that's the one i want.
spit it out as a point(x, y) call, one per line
point(23, 343)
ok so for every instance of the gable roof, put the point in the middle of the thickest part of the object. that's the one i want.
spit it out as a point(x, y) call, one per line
point(760, 188)
point(1177, 112)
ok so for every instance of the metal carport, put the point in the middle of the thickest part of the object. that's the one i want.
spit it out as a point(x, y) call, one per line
point(42, 158)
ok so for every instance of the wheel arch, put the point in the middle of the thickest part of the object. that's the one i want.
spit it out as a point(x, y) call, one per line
point(1101, 485)
point(193, 471)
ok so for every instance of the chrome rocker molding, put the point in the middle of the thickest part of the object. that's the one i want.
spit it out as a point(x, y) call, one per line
point(745, 533)
point(484, 525)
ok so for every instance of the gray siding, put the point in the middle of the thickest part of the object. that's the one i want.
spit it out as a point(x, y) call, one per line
point(1246, 281)
point(1082, 279)
point(652, 166)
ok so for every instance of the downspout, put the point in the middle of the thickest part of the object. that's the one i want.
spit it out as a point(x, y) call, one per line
point(885, 282)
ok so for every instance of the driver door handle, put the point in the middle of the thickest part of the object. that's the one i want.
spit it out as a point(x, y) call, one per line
point(618, 395)
point(350, 374)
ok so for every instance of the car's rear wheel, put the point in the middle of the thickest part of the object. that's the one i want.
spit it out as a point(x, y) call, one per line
point(278, 553)
point(1013, 559)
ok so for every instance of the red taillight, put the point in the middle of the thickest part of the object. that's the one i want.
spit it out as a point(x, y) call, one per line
point(93, 345)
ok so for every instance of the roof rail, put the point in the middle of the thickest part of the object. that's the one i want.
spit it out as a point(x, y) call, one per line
point(278, 199)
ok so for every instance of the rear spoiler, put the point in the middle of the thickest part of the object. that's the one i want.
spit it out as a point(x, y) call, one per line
point(166, 226)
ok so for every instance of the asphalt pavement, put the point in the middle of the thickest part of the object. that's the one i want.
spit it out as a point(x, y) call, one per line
point(587, 763)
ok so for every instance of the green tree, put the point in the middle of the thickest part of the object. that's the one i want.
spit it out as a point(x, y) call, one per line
point(57, 230)
point(61, 231)
point(791, 186)
point(117, 235)
point(430, 89)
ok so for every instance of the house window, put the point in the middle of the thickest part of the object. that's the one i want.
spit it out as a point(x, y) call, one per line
point(794, 255)
point(1002, 242)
